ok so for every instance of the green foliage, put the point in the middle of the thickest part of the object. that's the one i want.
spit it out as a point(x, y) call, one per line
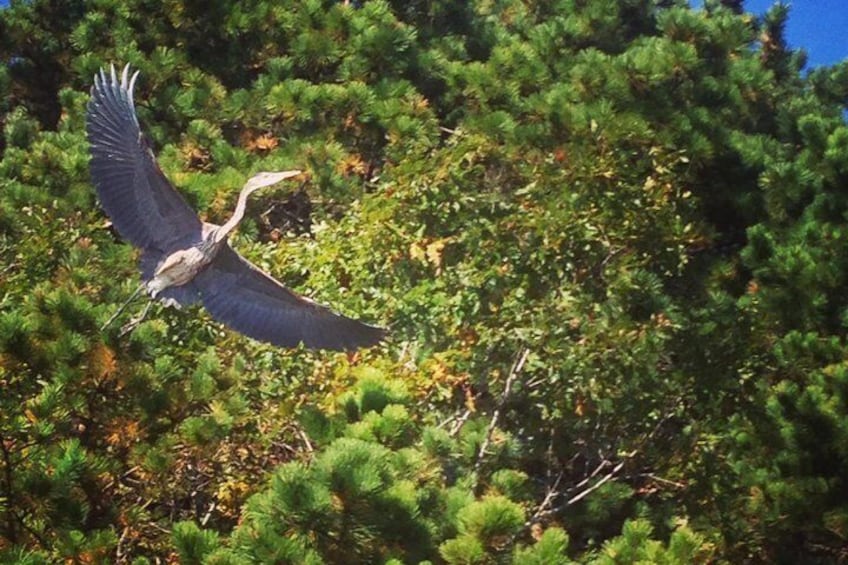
point(489, 519)
point(608, 237)
point(550, 549)
point(352, 493)
point(192, 543)
point(636, 546)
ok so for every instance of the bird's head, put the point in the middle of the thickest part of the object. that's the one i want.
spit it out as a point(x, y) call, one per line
point(264, 179)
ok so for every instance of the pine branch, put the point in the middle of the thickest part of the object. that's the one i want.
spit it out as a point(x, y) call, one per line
point(21, 520)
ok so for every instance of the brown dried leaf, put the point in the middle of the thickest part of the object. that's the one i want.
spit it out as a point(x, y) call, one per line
point(123, 432)
point(264, 142)
point(102, 361)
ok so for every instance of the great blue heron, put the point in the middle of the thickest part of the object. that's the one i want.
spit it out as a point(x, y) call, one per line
point(185, 260)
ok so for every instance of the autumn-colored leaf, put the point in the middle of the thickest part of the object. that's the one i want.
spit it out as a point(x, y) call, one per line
point(230, 495)
point(102, 361)
point(434, 251)
point(353, 165)
point(416, 252)
point(195, 157)
point(470, 403)
point(579, 407)
point(122, 432)
point(536, 531)
point(262, 143)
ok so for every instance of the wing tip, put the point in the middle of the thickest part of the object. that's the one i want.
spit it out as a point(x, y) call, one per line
point(350, 336)
point(373, 335)
point(111, 96)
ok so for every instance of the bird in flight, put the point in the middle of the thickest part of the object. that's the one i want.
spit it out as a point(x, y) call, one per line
point(185, 260)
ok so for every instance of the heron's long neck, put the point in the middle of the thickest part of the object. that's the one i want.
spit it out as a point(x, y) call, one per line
point(222, 232)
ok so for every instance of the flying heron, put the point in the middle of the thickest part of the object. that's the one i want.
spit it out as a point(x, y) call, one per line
point(185, 260)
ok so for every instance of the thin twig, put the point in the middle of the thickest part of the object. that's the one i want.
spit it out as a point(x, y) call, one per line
point(496, 414)
point(305, 439)
point(208, 513)
point(159, 528)
point(659, 479)
point(605, 479)
point(586, 492)
point(592, 475)
point(11, 266)
point(125, 475)
point(119, 550)
point(550, 496)
point(32, 531)
point(457, 426)
point(604, 464)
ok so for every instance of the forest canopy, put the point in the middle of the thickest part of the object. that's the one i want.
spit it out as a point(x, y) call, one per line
point(608, 238)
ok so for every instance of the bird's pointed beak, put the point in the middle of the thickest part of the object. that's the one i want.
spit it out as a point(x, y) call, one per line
point(283, 175)
point(267, 179)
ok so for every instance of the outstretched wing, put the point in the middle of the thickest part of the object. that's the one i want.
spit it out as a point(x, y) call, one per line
point(241, 296)
point(142, 204)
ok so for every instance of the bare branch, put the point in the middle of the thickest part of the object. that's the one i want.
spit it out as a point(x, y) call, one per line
point(603, 464)
point(586, 492)
point(659, 479)
point(605, 479)
point(551, 495)
point(517, 366)
point(460, 422)
point(120, 554)
point(305, 439)
point(208, 513)
point(544, 509)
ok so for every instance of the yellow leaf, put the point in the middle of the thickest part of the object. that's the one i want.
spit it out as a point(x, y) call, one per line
point(536, 531)
point(353, 164)
point(579, 408)
point(470, 405)
point(260, 143)
point(417, 252)
point(434, 252)
point(266, 142)
point(650, 183)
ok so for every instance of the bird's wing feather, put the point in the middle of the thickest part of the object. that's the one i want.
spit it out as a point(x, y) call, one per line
point(142, 204)
point(241, 296)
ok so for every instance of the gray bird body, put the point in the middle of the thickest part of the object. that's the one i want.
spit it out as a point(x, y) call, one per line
point(185, 260)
